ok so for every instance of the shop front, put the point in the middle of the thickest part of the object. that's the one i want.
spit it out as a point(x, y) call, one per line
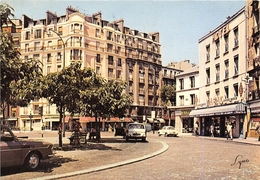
point(184, 123)
point(254, 118)
point(214, 119)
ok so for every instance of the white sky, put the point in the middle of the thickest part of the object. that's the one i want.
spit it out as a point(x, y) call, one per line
point(180, 23)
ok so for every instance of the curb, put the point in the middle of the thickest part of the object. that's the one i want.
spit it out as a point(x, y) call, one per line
point(256, 143)
point(109, 166)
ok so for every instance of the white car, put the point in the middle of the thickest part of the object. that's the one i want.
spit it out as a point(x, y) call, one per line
point(167, 131)
point(136, 131)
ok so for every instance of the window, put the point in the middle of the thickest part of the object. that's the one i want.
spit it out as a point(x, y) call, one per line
point(118, 50)
point(97, 33)
point(226, 69)
point(208, 98)
point(235, 90)
point(217, 73)
point(226, 92)
point(119, 63)
point(181, 100)
point(208, 76)
point(192, 98)
point(98, 58)
point(181, 84)
point(208, 53)
point(95, 21)
point(37, 46)
point(59, 56)
point(236, 37)
point(49, 58)
point(27, 49)
point(60, 30)
point(110, 60)
point(109, 47)
point(192, 82)
point(109, 36)
point(217, 48)
point(119, 74)
point(110, 73)
point(76, 54)
point(236, 67)
point(27, 35)
point(59, 68)
point(226, 43)
point(38, 33)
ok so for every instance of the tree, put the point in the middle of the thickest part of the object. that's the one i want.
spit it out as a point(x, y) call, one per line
point(168, 95)
point(63, 89)
point(20, 79)
point(104, 99)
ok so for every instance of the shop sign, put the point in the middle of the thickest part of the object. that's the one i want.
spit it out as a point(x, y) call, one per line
point(185, 113)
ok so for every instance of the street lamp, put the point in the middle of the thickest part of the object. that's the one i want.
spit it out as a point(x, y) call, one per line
point(64, 46)
point(30, 116)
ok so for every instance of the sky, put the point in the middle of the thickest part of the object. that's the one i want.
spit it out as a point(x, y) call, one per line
point(180, 23)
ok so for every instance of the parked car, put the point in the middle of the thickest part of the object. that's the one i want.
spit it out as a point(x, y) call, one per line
point(136, 131)
point(20, 151)
point(167, 131)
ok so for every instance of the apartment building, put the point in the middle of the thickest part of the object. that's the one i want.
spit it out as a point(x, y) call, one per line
point(187, 87)
point(168, 76)
point(253, 8)
point(223, 69)
point(111, 49)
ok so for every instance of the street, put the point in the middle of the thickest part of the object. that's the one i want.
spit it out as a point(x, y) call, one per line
point(187, 157)
point(192, 158)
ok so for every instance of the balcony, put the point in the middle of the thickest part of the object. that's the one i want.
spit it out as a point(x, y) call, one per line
point(256, 30)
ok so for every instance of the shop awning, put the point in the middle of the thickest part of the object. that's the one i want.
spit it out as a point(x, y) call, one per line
point(255, 119)
point(161, 120)
point(116, 119)
point(220, 110)
point(255, 107)
point(156, 120)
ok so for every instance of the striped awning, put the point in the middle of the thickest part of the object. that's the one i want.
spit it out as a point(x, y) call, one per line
point(220, 110)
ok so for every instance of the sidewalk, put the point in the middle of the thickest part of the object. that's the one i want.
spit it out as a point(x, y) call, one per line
point(248, 140)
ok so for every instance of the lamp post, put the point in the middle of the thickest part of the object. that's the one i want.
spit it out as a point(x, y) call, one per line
point(62, 122)
point(30, 116)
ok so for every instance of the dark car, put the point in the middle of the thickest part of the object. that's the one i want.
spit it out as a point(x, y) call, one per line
point(20, 151)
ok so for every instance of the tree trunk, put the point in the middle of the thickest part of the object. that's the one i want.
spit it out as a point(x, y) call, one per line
point(60, 127)
point(97, 128)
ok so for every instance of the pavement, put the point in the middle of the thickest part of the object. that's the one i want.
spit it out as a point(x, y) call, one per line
point(98, 156)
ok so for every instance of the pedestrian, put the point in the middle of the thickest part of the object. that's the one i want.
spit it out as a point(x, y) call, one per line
point(197, 128)
point(229, 131)
point(258, 131)
point(212, 130)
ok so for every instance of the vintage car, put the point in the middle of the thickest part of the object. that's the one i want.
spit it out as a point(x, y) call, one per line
point(20, 151)
point(136, 131)
point(167, 131)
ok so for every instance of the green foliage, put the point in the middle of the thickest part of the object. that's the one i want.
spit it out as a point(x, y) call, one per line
point(6, 12)
point(19, 78)
point(168, 94)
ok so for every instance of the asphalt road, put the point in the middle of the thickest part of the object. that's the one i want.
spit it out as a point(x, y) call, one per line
point(186, 158)
point(190, 158)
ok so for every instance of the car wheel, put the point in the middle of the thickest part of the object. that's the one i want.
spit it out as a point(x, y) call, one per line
point(32, 161)
point(165, 135)
point(144, 139)
point(127, 139)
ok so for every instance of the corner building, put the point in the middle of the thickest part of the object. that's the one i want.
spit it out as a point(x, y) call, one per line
point(223, 68)
point(111, 49)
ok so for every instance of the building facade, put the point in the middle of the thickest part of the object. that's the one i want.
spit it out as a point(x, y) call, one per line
point(253, 8)
point(223, 69)
point(187, 87)
point(111, 49)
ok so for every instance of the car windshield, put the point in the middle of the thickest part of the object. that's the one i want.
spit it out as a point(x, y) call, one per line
point(136, 126)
